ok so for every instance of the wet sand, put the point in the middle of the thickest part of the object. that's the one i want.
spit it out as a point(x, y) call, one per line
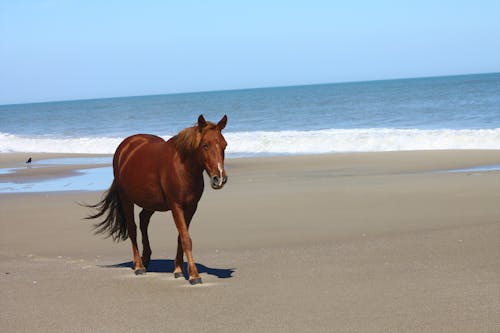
point(375, 242)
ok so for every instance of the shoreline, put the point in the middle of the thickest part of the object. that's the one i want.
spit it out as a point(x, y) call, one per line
point(21, 172)
point(413, 161)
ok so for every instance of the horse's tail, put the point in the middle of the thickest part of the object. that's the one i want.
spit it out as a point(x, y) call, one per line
point(114, 224)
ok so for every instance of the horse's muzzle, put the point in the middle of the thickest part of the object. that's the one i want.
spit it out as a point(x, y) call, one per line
point(217, 183)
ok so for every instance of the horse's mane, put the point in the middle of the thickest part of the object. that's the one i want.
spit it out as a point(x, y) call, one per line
point(188, 140)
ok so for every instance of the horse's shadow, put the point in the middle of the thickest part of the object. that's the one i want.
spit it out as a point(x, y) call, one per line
point(167, 266)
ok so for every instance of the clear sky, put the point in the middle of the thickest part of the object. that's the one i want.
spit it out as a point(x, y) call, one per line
point(76, 49)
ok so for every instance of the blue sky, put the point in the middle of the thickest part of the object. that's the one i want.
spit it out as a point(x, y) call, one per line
point(59, 50)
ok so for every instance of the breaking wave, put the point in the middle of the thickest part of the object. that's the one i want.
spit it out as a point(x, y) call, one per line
point(285, 142)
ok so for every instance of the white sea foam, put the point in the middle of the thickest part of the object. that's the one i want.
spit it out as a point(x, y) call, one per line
point(360, 140)
point(14, 143)
point(287, 142)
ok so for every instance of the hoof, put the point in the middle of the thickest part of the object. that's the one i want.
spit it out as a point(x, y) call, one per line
point(140, 271)
point(194, 281)
point(178, 275)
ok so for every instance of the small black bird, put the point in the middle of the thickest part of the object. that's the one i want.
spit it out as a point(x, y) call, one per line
point(28, 161)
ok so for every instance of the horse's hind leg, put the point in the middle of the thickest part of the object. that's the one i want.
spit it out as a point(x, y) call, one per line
point(128, 212)
point(145, 216)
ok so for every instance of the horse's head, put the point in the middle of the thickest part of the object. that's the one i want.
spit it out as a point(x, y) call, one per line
point(211, 150)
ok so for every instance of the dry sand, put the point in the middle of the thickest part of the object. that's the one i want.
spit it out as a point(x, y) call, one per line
point(375, 242)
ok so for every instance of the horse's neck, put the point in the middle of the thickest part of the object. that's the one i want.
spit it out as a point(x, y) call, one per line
point(192, 168)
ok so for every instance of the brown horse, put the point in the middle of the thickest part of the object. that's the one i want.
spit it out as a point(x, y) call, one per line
point(160, 175)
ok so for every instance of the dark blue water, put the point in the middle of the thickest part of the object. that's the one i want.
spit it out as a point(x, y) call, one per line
point(427, 113)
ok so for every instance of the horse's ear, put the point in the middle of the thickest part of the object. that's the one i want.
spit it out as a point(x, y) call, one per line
point(201, 122)
point(222, 123)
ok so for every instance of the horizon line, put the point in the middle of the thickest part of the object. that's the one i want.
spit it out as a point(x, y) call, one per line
point(244, 89)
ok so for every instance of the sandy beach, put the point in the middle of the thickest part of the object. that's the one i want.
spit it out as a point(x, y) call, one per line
point(367, 242)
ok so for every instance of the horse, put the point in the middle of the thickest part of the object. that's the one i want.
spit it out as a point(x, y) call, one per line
point(159, 175)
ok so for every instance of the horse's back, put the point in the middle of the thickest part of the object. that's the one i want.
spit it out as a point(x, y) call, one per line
point(137, 140)
point(134, 144)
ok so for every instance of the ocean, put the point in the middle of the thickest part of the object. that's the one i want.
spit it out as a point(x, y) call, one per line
point(453, 112)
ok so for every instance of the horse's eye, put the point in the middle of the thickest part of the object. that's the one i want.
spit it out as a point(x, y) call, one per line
point(205, 146)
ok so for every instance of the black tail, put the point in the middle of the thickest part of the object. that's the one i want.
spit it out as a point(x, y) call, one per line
point(114, 224)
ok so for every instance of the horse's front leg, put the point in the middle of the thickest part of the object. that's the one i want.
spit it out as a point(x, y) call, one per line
point(179, 258)
point(182, 218)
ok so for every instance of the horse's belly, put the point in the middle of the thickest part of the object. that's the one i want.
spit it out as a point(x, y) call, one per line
point(149, 200)
point(143, 191)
